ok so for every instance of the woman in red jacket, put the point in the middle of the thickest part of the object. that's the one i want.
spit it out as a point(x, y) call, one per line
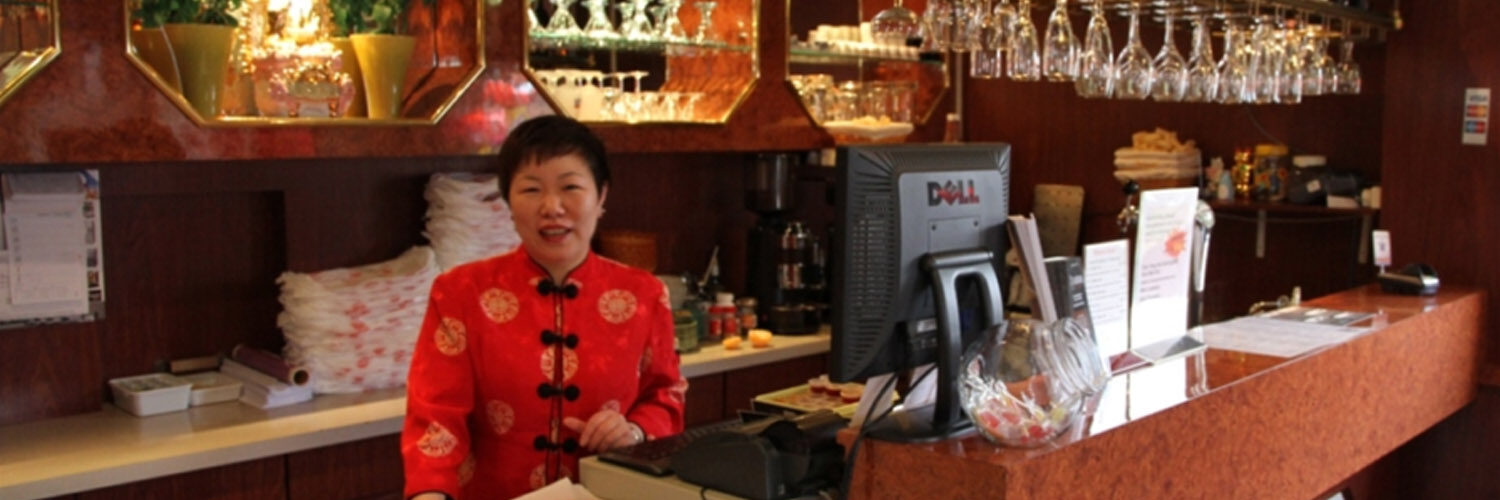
point(530, 359)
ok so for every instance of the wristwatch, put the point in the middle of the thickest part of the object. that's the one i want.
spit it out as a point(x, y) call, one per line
point(637, 435)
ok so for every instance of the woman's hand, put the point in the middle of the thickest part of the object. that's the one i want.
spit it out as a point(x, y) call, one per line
point(605, 430)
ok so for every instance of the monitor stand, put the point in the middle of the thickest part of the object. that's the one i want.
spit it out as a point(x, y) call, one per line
point(944, 418)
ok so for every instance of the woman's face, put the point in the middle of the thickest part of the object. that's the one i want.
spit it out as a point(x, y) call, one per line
point(556, 205)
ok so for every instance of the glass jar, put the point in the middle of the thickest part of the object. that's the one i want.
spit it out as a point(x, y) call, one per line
point(1270, 172)
point(685, 327)
point(745, 308)
point(1026, 381)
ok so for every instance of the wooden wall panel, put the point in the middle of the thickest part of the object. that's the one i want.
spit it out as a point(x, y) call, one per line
point(263, 479)
point(363, 469)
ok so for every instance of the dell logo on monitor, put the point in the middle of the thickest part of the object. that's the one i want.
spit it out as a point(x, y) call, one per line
point(952, 193)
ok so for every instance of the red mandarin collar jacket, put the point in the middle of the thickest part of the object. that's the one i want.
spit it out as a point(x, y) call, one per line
point(504, 354)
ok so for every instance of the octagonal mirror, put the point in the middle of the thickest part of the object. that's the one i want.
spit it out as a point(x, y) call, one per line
point(644, 61)
point(308, 62)
point(28, 41)
point(859, 79)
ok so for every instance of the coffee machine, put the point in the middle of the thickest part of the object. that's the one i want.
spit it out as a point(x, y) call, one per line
point(784, 272)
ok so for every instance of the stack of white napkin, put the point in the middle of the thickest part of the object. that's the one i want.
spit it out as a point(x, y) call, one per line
point(1157, 155)
point(354, 329)
point(466, 218)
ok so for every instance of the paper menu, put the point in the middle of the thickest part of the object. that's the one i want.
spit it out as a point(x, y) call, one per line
point(1163, 262)
point(51, 262)
point(1106, 275)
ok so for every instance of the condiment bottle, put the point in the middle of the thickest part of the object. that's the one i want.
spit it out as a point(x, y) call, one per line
point(745, 308)
point(722, 317)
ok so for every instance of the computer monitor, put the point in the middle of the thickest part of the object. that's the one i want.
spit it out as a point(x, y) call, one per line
point(897, 205)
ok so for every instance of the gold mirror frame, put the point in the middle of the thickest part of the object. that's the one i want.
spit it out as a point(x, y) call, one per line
point(18, 68)
point(752, 46)
point(175, 95)
point(863, 64)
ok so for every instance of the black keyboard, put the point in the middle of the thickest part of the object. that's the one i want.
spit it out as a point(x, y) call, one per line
point(655, 456)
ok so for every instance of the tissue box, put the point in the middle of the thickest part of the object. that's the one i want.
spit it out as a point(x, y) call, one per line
point(151, 394)
point(213, 387)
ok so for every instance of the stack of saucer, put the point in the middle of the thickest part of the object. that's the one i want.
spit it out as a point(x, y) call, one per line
point(1158, 159)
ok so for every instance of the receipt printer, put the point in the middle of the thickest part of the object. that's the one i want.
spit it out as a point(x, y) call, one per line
point(771, 458)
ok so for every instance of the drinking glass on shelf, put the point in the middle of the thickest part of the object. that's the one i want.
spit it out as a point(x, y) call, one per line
point(562, 22)
point(1060, 48)
point(1096, 62)
point(893, 26)
point(1347, 71)
point(985, 57)
point(971, 17)
point(612, 108)
point(1134, 72)
point(1025, 55)
point(1292, 72)
point(634, 24)
point(1203, 74)
point(705, 21)
point(672, 31)
point(599, 25)
point(1171, 69)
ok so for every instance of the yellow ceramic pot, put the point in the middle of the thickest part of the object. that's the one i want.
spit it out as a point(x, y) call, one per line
point(202, 52)
point(351, 67)
point(383, 60)
point(152, 48)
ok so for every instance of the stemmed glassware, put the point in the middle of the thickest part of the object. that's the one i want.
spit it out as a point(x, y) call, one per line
point(634, 24)
point(1096, 62)
point(1292, 63)
point(1171, 70)
point(971, 16)
point(1025, 57)
point(1234, 75)
point(1002, 35)
point(1266, 65)
point(562, 22)
point(671, 27)
point(985, 57)
point(599, 25)
point(938, 25)
point(1133, 69)
point(1315, 61)
point(1346, 79)
point(1203, 75)
point(705, 21)
point(893, 26)
point(1060, 48)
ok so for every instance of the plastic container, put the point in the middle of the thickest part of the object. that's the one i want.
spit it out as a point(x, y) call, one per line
point(151, 394)
point(213, 387)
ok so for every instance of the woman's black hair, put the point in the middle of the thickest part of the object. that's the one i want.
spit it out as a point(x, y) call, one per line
point(546, 137)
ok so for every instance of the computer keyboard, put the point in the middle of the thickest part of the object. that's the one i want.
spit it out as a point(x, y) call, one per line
point(655, 456)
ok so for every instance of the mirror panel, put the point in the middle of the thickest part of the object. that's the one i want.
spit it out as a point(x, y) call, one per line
point(28, 41)
point(289, 63)
point(644, 61)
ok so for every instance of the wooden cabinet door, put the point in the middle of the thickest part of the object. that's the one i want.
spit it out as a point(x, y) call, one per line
point(263, 479)
point(365, 469)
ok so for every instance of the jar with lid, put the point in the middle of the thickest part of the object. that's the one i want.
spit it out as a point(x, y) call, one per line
point(686, 329)
point(1270, 172)
point(745, 312)
point(723, 318)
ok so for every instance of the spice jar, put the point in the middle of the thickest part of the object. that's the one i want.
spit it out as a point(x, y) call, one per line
point(745, 309)
point(723, 318)
point(1270, 172)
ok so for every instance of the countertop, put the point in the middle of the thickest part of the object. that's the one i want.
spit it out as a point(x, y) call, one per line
point(83, 452)
point(1226, 424)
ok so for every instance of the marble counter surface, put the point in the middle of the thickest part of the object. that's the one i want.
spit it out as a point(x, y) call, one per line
point(84, 452)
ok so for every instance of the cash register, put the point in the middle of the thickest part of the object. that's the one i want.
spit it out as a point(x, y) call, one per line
point(769, 458)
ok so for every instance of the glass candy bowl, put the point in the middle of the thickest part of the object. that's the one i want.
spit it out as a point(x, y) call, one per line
point(1027, 381)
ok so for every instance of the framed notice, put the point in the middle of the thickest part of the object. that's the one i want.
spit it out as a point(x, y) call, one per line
point(52, 253)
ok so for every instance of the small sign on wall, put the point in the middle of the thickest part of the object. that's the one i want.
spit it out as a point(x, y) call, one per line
point(1476, 116)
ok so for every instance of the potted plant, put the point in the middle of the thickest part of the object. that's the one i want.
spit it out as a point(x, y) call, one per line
point(150, 42)
point(200, 34)
point(376, 31)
